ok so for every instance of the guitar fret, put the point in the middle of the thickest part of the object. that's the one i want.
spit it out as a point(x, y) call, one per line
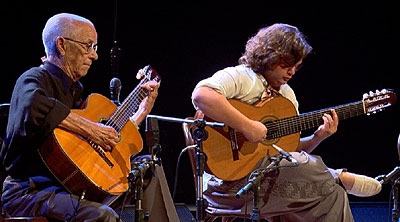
point(290, 125)
point(129, 106)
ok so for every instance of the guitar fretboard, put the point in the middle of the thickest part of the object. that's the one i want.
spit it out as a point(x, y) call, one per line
point(128, 107)
point(294, 124)
point(131, 104)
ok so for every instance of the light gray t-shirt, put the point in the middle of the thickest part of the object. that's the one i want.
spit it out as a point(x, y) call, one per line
point(242, 83)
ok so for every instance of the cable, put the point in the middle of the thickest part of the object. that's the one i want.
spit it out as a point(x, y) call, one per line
point(245, 206)
point(390, 206)
point(124, 202)
point(177, 167)
point(72, 218)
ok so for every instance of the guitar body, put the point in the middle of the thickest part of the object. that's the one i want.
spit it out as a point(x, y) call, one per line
point(231, 164)
point(231, 156)
point(77, 165)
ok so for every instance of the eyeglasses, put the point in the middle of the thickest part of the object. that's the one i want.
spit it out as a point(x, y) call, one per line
point(89, 46)
point(285, 64)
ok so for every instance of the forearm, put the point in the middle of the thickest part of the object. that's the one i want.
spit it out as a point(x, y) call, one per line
point(309, 143)
point(398, 146)
point(217, 107)
point(147, 104)
point(139, 116)
point(77, 124)
point(104, 136)
point(324, 131)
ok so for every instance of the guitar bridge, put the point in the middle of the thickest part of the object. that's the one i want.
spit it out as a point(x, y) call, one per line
point(234, 144)
point(101, 152)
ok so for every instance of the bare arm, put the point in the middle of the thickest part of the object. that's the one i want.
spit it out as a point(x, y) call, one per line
point(104, 136)
point(147, 104)
point(329, 127)
point(398, 146)
point(217, 107)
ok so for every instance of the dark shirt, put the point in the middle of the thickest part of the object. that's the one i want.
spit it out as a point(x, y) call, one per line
point(42, 98)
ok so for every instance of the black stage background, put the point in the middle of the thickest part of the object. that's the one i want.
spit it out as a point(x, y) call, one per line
point(356, 49)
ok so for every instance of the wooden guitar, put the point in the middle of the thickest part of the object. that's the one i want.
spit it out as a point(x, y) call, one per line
point(231, 156)
point(84, 167)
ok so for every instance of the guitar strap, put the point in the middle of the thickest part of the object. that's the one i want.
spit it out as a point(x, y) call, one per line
point(268, 94)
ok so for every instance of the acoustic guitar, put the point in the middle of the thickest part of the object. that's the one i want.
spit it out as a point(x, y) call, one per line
point(231, 156)
point(83, 167)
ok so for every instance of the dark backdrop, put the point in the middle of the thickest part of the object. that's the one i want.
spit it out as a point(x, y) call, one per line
point(355, 51)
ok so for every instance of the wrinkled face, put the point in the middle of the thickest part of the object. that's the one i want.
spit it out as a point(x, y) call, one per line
point(281, 74)
point(79, 50)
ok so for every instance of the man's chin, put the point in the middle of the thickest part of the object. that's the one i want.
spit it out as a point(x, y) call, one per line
point(82, 74)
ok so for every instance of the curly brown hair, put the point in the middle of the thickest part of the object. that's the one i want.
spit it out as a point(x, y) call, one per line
point(274, 45)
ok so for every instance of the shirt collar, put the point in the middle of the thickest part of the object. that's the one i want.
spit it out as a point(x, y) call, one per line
point(68, 83)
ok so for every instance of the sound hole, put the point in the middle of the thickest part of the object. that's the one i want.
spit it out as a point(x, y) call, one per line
point(273, 130)
point(104, 120)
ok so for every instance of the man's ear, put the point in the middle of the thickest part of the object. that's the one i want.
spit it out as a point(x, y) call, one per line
point(60, 45)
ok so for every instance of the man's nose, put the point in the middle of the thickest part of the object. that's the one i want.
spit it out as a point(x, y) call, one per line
point(292, 70)
point(93, 55)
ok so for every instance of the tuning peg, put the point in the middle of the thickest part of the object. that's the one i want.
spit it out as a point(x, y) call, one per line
point(371, 93)
point(139, 74)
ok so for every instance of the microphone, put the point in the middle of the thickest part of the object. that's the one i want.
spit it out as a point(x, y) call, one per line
point(286, 155)
point(139, 170)
point(390, 177)
point(115, 89)
point(253, 181)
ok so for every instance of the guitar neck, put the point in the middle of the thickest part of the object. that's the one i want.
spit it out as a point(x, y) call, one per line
point(128, 107)
point(294, 124)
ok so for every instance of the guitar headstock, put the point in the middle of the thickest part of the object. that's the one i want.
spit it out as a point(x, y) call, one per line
point(375, 102)
point(149, 73)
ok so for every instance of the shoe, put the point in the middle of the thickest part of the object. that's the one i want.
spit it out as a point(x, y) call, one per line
point(364, 186)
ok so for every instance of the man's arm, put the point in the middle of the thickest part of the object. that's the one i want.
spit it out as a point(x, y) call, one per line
point(329, 127)
point(217, 107)
point(102, 135)
point(398, 146)
point(147, 104)
point(106, 136)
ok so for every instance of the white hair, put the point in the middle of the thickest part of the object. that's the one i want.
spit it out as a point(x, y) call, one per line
point(59, 25)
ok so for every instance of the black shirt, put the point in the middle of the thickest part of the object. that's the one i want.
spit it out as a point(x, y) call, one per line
point(42, 98)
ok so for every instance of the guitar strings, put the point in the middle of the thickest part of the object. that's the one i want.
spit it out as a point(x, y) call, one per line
point(130, 107)
point(122, 114)
point(309, 120)
point(135, 98)
point(118, 114)
point(293, 124)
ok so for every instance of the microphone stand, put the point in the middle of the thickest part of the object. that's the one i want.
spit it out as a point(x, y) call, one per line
point(115, 50)
point(115, 54)
point(395, 193)
point(255, 185)
point(199, 134)
point(136, 177)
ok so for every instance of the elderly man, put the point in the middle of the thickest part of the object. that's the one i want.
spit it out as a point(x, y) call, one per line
point(41, 101)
